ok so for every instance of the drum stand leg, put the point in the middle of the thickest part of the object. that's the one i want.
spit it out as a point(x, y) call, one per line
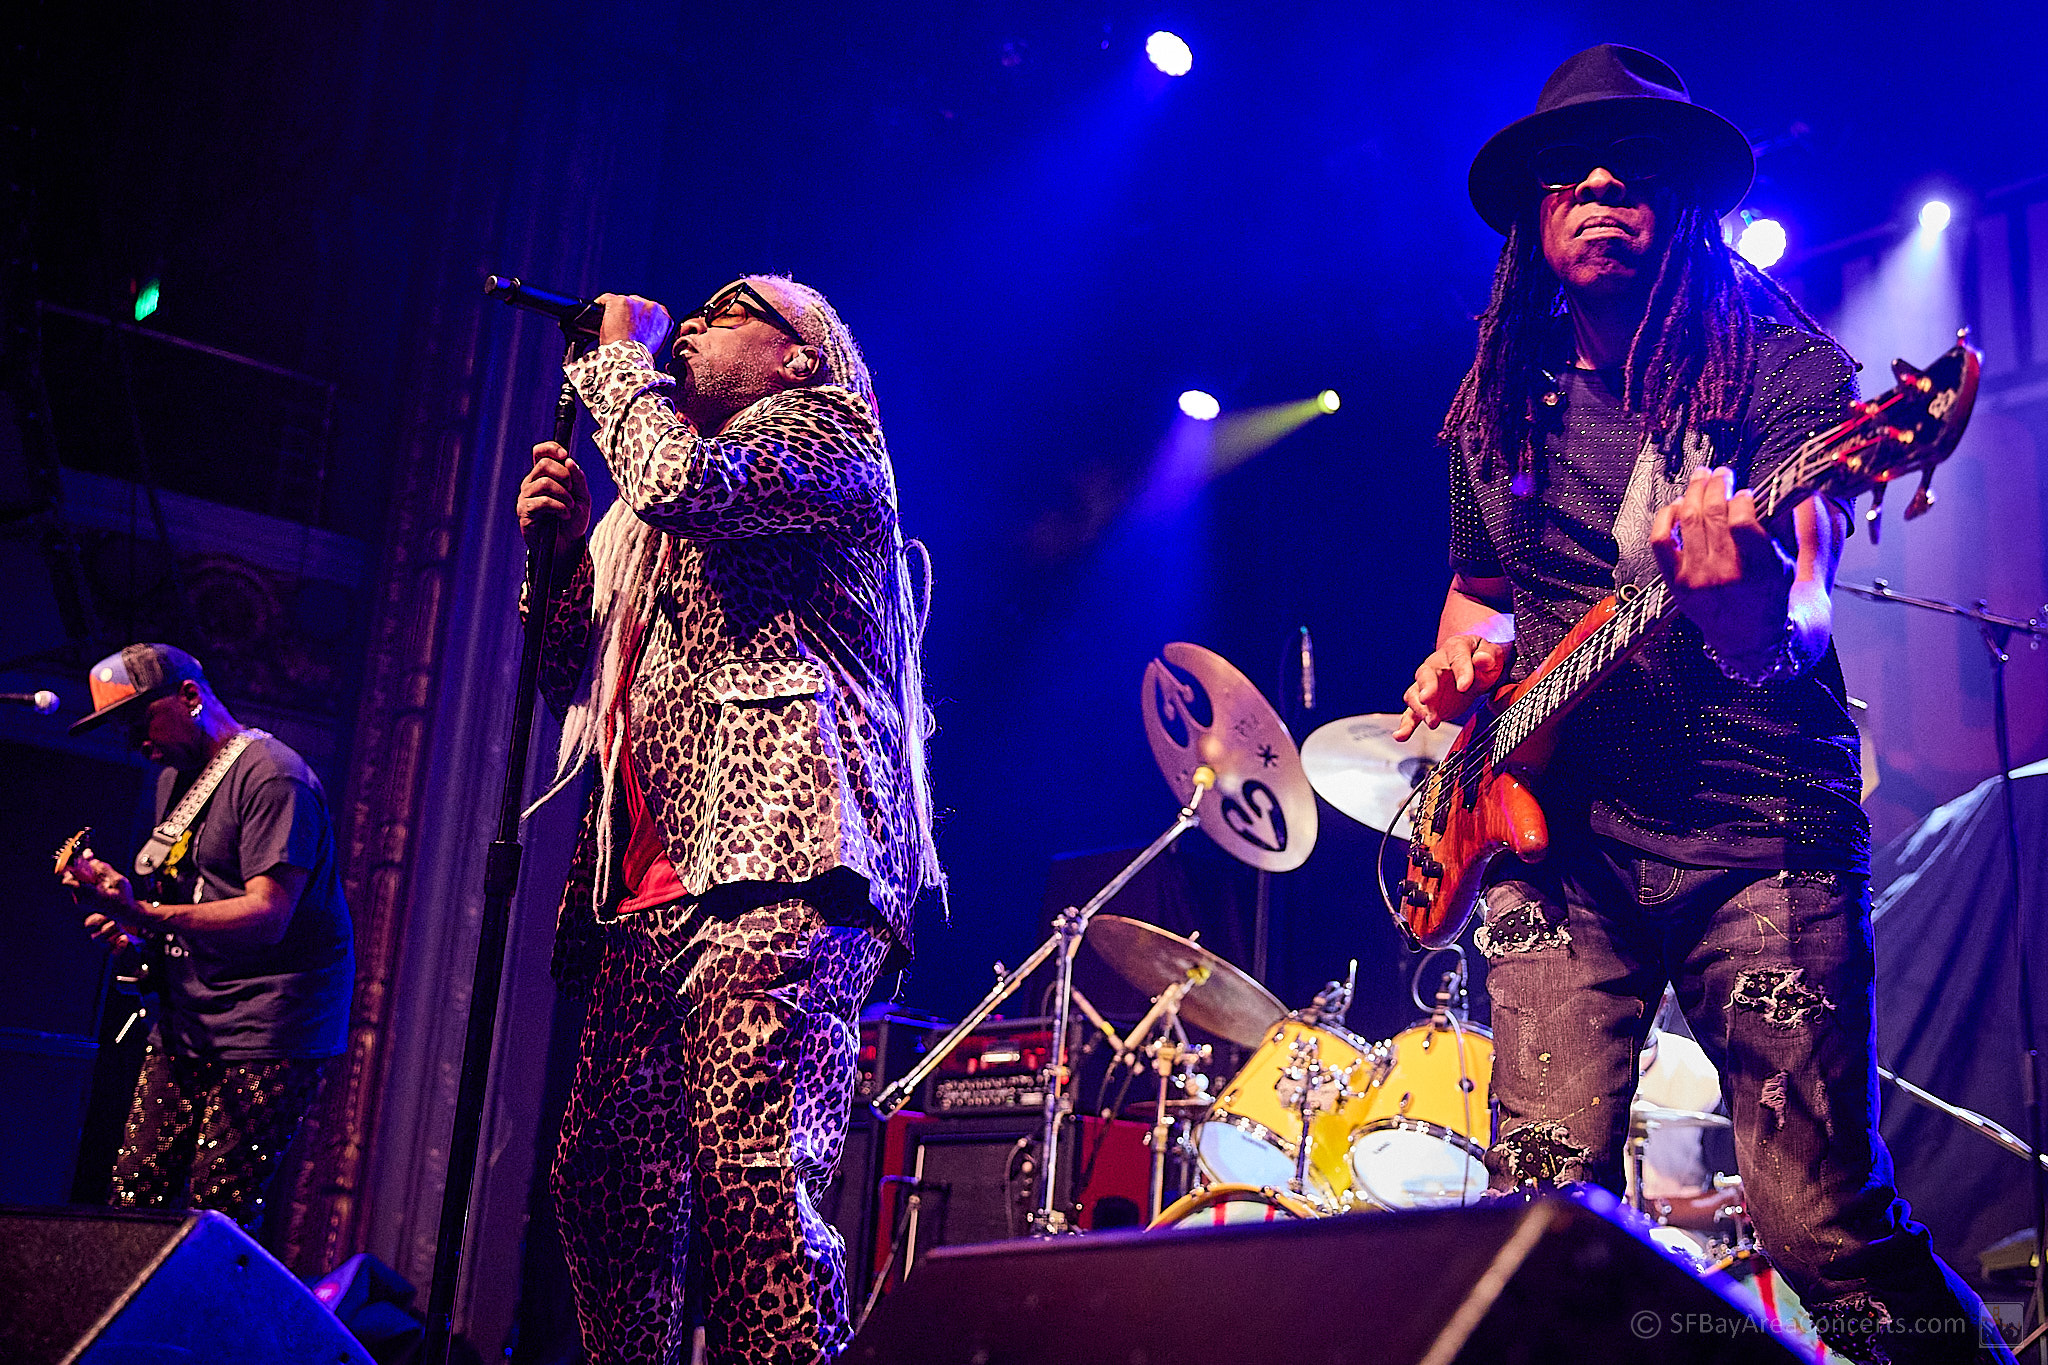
point(1168, 1054)
point(1637, 1146)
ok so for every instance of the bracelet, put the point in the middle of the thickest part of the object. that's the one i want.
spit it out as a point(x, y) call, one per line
point(1781, 661)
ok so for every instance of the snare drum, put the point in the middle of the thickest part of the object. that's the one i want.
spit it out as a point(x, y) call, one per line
point(1420, 1142)
point(1222, 1204)
point(1250, 1134)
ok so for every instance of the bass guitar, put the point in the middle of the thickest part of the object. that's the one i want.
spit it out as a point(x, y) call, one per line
point(1476, 804)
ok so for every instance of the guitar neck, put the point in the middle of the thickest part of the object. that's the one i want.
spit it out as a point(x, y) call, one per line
point(1639, 610)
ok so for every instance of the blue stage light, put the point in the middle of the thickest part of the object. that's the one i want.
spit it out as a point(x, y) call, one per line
point(1169, 53)
point(1200, 406)
point(1762, 242)
point(1934, 216)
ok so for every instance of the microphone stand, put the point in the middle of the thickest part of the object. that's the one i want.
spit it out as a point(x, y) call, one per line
point(1997, 632)
point(501, 884)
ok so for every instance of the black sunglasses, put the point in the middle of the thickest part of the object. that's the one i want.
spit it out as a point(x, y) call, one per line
point(737, 302)
point(1631, 160)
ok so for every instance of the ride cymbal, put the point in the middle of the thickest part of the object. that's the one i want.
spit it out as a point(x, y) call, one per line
point(1358, 766)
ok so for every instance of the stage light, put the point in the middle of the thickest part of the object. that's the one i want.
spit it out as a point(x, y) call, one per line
point(1762, 242)
point(1934, 216)
point(1200, 406)
point(1169, 53)
point(147, 297)
point(1327, 400)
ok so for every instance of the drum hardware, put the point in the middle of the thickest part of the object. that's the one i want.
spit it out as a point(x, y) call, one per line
point(1333, 1002)
point(1170, 1055)
point(1307, 1088)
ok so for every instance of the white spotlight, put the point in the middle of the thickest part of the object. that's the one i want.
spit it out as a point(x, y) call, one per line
point(1327, 400)
point(1762, 242)
point(1934, 216)
point(1169, 53)
point(1200, 406)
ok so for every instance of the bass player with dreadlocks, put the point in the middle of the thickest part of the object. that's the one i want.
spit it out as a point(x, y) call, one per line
point(737, 649)
point(1630, 383)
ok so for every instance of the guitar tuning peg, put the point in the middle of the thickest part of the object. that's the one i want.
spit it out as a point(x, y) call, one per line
point(1923, 496)
point(1908, 377)
point(1873, 515)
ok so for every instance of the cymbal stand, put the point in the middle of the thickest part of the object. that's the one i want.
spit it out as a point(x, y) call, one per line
point(1168, 1053)
point(1068, 928)
point(1997, 632)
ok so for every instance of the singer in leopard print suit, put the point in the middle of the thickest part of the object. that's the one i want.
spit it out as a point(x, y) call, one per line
point(735, 647)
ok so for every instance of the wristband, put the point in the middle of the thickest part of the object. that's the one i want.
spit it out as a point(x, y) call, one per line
point(1779, 662)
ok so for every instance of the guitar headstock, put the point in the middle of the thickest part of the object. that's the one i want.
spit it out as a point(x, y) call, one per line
point(72, 853)
point(1908, 430)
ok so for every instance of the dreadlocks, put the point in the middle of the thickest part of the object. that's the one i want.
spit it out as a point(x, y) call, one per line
point(1688, 365)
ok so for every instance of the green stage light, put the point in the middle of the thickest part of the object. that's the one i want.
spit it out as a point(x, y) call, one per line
point(146, 298)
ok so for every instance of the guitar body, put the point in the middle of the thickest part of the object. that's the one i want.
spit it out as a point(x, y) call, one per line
point(1462, 825)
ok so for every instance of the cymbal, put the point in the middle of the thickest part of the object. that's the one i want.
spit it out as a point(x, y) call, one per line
point(1643, 1117)
point(1199, 709)
point(1358, 766)
point(1227, 1003)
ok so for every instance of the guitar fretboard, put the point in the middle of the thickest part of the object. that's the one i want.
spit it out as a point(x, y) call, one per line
point(1640, 609)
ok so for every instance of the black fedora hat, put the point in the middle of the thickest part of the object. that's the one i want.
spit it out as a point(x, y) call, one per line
point(1610, 91)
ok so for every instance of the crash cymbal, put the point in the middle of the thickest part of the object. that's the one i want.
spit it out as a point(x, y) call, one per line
point(1643, 1117)
point(1358, 766)
point(1199, 709)
point(1227, 1003)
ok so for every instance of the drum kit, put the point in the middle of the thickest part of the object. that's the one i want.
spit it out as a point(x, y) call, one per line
point(1317, 1121)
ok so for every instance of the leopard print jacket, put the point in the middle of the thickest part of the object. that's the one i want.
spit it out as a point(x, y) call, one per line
point(762, 715)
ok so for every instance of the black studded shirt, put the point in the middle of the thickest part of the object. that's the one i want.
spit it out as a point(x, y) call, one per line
point(1667, 754)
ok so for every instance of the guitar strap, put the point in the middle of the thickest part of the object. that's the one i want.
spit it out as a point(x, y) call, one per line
point(165, 836)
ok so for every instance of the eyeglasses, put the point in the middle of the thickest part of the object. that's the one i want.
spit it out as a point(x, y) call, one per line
point(1631, 160)
point(738, 301)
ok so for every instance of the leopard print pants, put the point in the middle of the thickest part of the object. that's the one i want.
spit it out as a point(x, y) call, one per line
point(208, 1133)
point(708, 1110)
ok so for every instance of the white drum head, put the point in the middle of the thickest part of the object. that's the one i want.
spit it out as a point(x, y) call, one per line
point(1416, 1167)
point(1233, 1156)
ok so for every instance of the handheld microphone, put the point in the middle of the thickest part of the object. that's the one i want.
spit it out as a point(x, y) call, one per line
point(1308, 670)
point(579, 317)
point(45, 702)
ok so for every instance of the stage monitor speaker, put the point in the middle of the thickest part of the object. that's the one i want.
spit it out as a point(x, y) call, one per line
point(1538, 1282)
point(98, 1287)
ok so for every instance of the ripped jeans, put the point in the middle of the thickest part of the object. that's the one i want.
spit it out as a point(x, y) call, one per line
point(1774, 972)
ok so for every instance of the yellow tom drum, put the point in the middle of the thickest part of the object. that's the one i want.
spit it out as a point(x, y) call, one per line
point(1250, 1134)
point(1419, 1132)
point(1218, 1205)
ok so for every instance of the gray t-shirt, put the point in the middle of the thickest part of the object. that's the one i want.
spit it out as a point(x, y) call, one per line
point(289, 999)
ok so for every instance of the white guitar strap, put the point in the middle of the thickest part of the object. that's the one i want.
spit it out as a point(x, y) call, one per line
point(165, 836)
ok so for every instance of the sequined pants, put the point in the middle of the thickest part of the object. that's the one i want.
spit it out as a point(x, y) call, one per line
point(1775, 974)
point(207, 1133)
point(708, 1110)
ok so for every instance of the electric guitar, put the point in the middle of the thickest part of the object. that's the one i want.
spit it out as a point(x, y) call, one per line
point(132, 952)
point(1476, 805)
